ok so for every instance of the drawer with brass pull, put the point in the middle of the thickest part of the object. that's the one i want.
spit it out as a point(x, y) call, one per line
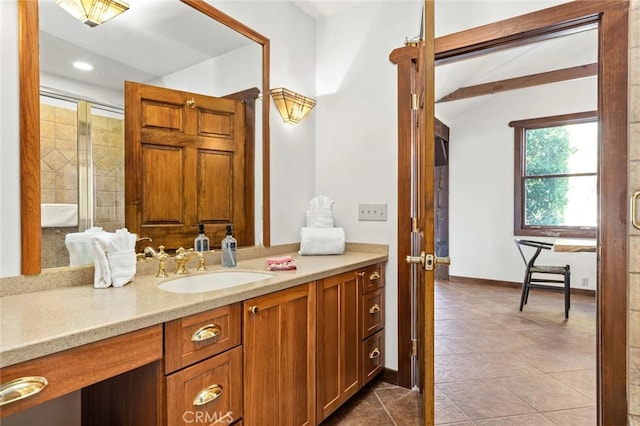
point(211, 390)
point(372, 278)
point(372, 312)
point(196, 337)
point(372, 356)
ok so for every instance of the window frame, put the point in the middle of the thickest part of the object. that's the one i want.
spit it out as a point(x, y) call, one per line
point(520, 127)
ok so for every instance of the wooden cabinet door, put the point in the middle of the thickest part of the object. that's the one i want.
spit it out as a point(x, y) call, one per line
point(279, 336)
point(339, 341)
point(184, 165)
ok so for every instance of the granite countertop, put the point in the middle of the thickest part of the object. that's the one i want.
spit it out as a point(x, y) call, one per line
point(47, 321)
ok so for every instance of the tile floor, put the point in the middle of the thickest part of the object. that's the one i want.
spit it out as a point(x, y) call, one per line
point(495, 365)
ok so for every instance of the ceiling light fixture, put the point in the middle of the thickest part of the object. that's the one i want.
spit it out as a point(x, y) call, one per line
point(291, 105)
point(83, 66)
point(93, 12)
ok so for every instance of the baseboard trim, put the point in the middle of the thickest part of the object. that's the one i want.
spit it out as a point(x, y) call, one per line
point(484, 281)
point(389, 376)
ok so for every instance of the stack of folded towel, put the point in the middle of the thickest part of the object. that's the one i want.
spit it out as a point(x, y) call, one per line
point(283, 263)
point(114, 258)
point(320, 236)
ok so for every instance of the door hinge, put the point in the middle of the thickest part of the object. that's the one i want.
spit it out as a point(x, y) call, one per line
point(414, 102)
point(414, 347)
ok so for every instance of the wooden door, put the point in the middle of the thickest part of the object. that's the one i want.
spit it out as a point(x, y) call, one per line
point(338, 341)
point(416, 164)
point(425, 227)
point(279, 335)
point(184, 165)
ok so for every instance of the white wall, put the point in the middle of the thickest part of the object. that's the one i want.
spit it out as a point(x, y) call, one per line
point(356, 142)
point(293, 65)
point(9, 141)
point(481, 181)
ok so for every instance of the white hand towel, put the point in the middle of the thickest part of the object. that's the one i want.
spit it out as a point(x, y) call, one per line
point(123, 267)
point(319, 218)
point(122, 257)
point(315, 241)
point(321, 202)
point(102, 275)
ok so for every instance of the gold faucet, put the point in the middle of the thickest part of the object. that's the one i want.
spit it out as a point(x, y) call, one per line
point(182, 257)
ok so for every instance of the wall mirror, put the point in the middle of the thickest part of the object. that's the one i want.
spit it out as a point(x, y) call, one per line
point(184, 45)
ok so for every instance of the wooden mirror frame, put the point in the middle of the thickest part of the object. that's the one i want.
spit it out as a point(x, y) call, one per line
point(28, 53)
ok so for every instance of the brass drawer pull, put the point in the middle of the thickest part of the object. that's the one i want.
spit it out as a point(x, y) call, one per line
point(360, 274)
point(205, 332)
point(207, 395)
point(21, 388)
point(375, 276)
point(253, 309)
point(374, 353)
point(374, 309)
point(634, 198)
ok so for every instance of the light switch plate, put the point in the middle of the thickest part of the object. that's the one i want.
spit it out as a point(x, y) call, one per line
point(377, 212)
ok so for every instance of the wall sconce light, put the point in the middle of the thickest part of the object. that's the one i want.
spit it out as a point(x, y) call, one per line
point(291, 105)
point(93, 12)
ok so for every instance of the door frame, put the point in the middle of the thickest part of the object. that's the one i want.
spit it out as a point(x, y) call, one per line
point(612, 20)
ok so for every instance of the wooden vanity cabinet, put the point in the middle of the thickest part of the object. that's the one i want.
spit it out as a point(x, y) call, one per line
point(279, 337)
point(339, 341)
point(350, 335)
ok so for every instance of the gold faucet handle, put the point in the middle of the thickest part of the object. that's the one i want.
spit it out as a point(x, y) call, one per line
point(201, 266)
point(162, 256)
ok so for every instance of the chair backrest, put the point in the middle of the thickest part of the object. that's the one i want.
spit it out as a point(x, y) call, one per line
point(538, 245)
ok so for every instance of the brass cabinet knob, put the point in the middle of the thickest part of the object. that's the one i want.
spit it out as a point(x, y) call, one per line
point(253, 309)
point(374, 353)
point(374, 309)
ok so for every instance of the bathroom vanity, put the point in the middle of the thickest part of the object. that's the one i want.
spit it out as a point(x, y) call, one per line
point(288, 349)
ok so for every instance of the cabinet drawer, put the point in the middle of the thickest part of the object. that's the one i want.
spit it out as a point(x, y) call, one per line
point(209, 392)
point(372, 356)
point(372, 312)
point(196, 337)
point(373, 278)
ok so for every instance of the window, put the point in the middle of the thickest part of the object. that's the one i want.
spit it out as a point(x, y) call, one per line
point(556, 176)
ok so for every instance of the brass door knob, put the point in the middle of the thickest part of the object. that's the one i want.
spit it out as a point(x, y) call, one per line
point(253, 309)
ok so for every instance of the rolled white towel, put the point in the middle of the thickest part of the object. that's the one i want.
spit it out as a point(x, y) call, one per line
point(317, 241)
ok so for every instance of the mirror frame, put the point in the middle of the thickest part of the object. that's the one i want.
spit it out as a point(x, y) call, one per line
point(28, 59)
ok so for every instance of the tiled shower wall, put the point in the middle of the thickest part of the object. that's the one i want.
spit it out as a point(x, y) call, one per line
point(59, 173)
point(634, 235)
point(108, 169)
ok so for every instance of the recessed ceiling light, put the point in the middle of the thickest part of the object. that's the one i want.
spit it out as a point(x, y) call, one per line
point(84, 66)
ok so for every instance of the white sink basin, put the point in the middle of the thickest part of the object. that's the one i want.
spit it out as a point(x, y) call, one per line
point(199, 283)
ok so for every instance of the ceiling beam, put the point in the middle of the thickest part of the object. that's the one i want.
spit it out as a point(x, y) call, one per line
point(573, 73)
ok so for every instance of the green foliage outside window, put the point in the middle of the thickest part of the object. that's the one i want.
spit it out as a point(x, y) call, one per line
point(547, 153)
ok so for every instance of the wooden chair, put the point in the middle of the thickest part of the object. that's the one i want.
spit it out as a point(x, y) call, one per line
point(535, 276)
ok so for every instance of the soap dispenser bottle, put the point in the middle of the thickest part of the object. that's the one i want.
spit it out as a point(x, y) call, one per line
point(201, 243)
point(228, 246)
